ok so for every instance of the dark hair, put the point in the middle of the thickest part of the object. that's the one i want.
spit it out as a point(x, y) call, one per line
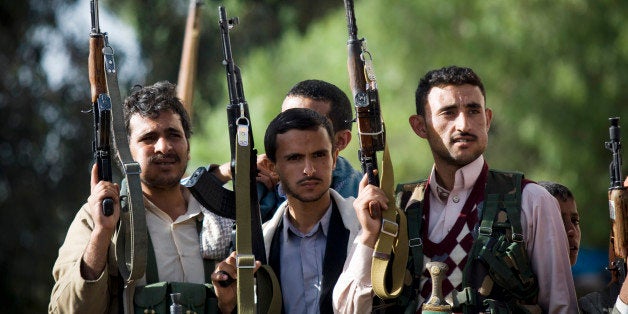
point(150, 101)
point(557, 190)
point(294, 119)
point(452, 75)
point(340, 111)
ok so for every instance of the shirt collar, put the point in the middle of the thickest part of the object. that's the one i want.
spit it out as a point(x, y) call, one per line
point(464, 179)
point(193, 209)
point(322, 224)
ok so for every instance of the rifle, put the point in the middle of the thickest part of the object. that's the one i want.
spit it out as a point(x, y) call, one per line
point(392, 245)
point(366, 97)
point(107, 107)
point(618, 207)
point(189, 56)
point(101, 105)
point(244, 171)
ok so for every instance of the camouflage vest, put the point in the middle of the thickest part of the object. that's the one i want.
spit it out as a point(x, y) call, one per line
point(497, 276)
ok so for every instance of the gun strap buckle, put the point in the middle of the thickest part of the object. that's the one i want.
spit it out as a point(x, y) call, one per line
point(245, 261)
point(390, 227)
point(132, 168)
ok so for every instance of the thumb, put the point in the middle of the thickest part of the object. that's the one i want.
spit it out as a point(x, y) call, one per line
point(94, 179)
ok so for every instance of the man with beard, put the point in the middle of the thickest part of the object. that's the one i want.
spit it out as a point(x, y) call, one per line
point(500, 235)
point(308, 237)
point(86, 274)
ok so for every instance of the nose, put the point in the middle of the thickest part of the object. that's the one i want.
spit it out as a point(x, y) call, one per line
point(309, 169)
point(163, 145)
point(462, 122)
point(570, 229)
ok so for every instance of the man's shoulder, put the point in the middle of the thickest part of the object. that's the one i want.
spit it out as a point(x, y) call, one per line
point(341, 201)
point(345, 178)
point(345, 207)
point(344, 167)
point(409, 186)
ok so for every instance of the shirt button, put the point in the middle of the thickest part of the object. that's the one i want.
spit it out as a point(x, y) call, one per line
point(456, 199)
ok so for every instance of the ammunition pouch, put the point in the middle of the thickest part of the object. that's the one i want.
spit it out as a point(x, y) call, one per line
point(155, 298)
point(503, 260)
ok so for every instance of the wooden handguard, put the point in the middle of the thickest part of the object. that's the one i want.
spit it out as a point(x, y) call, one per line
point(96, 66)
point(618, 207)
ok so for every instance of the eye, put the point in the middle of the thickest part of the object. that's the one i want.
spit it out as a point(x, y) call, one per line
point(293, 157)
point(575, 221)
point(148, 138)
point(320, 154)
point(448, 113)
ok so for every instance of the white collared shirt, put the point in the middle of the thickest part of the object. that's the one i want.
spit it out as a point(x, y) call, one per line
point(176, 243)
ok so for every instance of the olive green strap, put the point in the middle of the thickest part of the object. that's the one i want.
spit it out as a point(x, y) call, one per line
point(131, 241)
point(245, 260)
point(392, 242)
point(268, 290)
point(415, 215)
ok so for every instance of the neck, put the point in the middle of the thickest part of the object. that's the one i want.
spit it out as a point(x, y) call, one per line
point(305, 215)
point(446, 175)
point(170, 201)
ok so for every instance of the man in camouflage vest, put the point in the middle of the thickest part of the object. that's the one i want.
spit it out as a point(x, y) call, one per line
point(467, 213)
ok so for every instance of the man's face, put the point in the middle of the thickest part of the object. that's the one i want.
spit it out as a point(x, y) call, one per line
point(160, 147)
point(455, 124)
point(304, 163)
point(571, 220)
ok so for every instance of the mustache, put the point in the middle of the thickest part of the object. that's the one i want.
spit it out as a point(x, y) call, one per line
point(164, 157)
point(463, 135)
point(309, 179)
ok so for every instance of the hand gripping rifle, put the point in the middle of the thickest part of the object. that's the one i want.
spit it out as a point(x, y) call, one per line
point(618, 208)
point(101, 105)
point(189, 56)
point(392, 244)
point(132, 234)
point(244, 170)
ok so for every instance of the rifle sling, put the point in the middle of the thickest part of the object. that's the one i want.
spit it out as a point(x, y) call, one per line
point(131, 241)
point(392, 244)
point(245, 259)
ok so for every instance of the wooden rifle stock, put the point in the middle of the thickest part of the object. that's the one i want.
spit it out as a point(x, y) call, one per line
point(101, 104)
point(189, 56)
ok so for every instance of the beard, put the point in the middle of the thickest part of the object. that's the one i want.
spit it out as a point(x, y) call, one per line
point(289, 190)
point(451, 156)
point(156, 179)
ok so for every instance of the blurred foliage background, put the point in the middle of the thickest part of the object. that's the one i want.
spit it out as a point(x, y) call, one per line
point(554, 71)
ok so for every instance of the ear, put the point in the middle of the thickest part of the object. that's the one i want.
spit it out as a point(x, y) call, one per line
point(418, 125)
point(335, 157)
point(271, 166)
point(489, 116)
point(342, 139)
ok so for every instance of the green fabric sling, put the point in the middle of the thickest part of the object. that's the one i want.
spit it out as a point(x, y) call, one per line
point(131, 240)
